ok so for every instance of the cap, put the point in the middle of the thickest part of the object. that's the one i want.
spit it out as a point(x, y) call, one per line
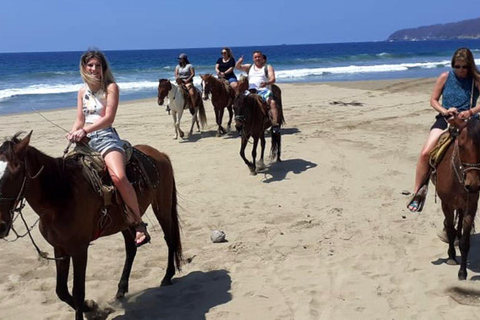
point(182, 56)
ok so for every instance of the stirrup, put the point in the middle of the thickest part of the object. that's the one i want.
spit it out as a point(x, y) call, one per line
point(142, 227)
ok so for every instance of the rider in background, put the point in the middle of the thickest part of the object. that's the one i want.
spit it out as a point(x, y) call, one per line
point(225, 66)
point(184, 73)
point(455, 88)
point(260, 77)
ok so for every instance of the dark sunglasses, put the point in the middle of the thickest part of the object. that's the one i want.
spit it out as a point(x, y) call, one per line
point(460, 67)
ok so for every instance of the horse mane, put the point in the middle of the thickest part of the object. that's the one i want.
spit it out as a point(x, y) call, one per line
point(473, 126)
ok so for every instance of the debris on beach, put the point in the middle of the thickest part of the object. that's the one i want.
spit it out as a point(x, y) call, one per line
point(342, 103)
point(218, 236)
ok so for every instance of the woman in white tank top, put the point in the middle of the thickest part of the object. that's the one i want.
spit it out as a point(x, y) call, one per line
point(97, 104)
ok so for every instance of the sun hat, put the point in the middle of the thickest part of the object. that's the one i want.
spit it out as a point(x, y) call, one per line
point(182, 56)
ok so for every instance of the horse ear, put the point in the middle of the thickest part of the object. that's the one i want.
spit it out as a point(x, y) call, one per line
point(21, 147)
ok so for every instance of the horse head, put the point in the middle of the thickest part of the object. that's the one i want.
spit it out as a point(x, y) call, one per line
point(164, 86)
point(468, 151)
point(206, 86)
point(12, 179)
point(242, 84)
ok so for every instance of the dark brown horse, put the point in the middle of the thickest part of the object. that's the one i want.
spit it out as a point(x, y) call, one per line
point(70, 212)
point(222, 97)
point(457, 181)
point(251, 120)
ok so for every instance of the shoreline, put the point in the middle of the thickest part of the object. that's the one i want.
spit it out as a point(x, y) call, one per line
point(357, 84)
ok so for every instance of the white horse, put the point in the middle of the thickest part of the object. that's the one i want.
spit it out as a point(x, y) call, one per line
point(177, 104)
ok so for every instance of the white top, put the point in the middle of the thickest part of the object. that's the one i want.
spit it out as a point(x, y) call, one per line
point(93, 105)
point(256, 76)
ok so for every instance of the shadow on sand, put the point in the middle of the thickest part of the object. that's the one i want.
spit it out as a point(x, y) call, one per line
point(278, 171)
point(189, 298)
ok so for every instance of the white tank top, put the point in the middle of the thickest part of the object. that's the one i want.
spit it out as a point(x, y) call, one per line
point(94, 105)
point(256, 77)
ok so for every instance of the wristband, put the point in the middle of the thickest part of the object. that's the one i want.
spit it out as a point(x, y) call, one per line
point(84, 131)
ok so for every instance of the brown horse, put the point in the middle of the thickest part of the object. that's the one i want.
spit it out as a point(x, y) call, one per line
point(222, 97)
point(457, 179)
point(178, 103)
point(251, 120)
point(71, 216)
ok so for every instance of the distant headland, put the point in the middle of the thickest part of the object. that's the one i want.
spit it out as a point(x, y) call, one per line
point(466, 29)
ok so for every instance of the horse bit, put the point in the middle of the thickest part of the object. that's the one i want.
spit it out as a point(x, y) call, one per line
point(464, 167)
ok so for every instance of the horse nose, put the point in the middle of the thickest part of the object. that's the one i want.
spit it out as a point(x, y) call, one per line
point(472, 183)
point(472, 188)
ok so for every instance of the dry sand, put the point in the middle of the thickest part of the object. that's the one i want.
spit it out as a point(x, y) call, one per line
point(322, 235)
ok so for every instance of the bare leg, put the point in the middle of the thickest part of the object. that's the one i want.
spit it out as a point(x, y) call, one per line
point(274, 112)
point(422, 164)
point(116, 167)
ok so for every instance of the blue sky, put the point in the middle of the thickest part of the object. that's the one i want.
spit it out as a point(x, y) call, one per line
point(75, 25)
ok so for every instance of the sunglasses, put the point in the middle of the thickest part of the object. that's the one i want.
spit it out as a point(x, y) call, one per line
point(460, 67)
point(224, 52)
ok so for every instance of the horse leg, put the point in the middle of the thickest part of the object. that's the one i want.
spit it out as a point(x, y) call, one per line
point(261, 163)
point(254, 155)
point(250, 165)
point(194, 119)
point(220, 128)
point(130, 251)
point(177, 124)
point(79, 270)
point(174, 116)
point(230, 117)
point(449, 213)
point(464, 244)
point(63, 266)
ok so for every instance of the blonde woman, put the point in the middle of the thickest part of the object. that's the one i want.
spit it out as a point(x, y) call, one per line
point(97, 104)
point(225, 66)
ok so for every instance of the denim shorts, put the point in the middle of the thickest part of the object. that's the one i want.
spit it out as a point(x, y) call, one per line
point(265, 93)
point(105, 140)
point(232, 79)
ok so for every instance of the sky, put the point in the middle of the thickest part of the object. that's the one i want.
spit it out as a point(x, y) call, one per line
point(75, 25)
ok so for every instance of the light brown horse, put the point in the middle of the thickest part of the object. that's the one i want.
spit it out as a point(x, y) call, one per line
point(222, 97)
point(251, 120)
point(457, 180)
point(70, 212)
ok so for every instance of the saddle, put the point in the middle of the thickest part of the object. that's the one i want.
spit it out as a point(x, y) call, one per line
point(140, 169)
point(437, 153)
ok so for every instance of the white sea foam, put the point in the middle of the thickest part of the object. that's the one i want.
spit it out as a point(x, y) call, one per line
point(38, 89)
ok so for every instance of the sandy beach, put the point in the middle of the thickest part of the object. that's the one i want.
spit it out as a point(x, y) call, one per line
point(322, 235)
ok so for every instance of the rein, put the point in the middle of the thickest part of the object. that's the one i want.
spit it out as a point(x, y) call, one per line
point(19, 204)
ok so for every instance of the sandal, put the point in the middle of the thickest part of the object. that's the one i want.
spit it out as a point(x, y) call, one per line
point(416, 202)
point(141, 231)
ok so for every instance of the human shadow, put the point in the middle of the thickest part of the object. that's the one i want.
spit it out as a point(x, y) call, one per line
point(278, 171)
point(189, 298)
point(473, 262)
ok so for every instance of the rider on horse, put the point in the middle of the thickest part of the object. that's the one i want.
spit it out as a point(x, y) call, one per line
point(260, 78)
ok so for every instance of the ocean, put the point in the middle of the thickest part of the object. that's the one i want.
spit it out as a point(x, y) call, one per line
point(50, 80)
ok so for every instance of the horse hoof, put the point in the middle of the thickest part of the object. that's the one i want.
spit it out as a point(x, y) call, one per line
point(451, 262)
point(253, 172)
point(462, 275)
point(182, 134)
point(166, 282)
point(218, 135)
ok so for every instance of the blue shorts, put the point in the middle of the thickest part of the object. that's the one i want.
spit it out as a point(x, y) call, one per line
point(232, 79)
point(264, 93)
point(105, 140)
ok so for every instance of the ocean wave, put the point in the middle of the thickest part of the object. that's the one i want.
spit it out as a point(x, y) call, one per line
point(352, 69)
point(38, 89)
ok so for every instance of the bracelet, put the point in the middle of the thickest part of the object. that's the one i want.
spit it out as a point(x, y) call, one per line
point(84, 131)
point(470, 112)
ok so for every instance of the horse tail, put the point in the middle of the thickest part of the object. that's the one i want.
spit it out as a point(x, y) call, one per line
point(201, 114)
point(275, 150)
point(176, 241)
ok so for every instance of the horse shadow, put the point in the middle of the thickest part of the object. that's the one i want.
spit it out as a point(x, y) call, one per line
point(473, 262)
point(189, 298)
point(278, 171)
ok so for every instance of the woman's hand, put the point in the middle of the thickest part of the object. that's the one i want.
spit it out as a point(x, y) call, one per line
point(76, 135)
point(450, 112)
point(466, 114)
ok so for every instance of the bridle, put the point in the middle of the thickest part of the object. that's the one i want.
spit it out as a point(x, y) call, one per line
point(18, 205)
point(459, 167)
